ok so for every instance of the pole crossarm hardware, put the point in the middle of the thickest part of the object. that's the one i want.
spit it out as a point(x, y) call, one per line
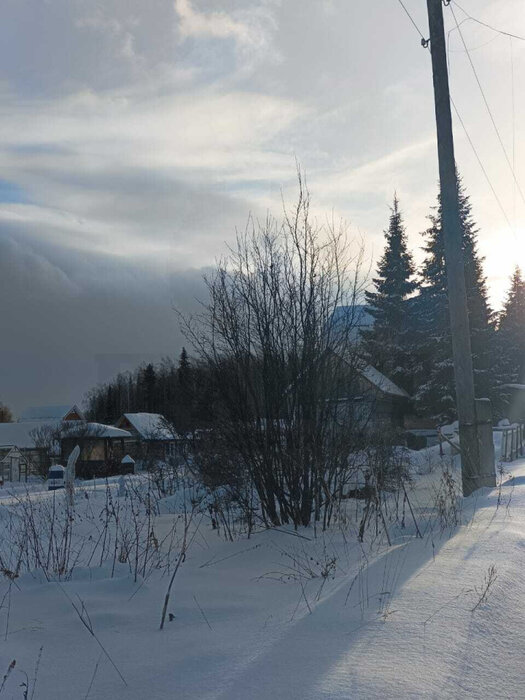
point(473, 445)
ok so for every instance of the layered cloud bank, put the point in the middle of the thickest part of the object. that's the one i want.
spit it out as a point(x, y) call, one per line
point(136, 137)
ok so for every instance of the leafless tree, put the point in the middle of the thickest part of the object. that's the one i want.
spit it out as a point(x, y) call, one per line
point(284, 361)
point(5, 414)
point(46, 438)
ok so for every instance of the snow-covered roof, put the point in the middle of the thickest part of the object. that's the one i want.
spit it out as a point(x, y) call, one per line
point(10, 451)
point(384, 384)
point(48, 413)
point(150, 426)
point(127, 460)
point(95, 430)
point(20, 434)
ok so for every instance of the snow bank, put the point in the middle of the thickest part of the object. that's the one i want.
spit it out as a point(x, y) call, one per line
point(288, 616)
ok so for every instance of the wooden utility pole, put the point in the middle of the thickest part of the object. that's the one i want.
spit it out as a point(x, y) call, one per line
point(477, 471)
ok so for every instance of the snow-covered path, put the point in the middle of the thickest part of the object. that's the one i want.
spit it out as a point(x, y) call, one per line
point(416, 636)
point(400, 626)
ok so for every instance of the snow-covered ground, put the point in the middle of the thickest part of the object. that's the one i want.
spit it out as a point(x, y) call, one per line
point(282, 614)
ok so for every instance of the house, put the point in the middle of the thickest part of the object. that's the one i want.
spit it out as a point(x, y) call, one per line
point(102, 448)
point(388, 403)
point(373, 398)
point(48, 434)
point(24, 437)
point(14, 465)
point(372, 401)
point(153, 439)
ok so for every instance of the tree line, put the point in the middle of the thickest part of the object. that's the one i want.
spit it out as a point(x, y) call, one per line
point(409, 340)
point(181, 391)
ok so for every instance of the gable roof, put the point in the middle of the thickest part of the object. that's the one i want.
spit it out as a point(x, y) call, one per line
point(381, 382)
point(150, 426)
point(49, 413)
point(9, 452)
point(20, 434)
point(81, 429)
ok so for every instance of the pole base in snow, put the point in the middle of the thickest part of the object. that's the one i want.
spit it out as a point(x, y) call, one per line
point(479, 466)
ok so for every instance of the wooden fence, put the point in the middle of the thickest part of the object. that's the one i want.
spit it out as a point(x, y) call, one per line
point(512, 442)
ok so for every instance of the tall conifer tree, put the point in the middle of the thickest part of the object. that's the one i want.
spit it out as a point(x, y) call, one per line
point(387, 343)
point(435, 396)
point(511, 332)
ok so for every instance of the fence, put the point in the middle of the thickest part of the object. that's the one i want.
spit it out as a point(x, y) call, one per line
point(512, 442)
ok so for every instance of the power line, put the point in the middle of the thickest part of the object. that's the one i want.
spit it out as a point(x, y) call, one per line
point(488, 106)
point(481, 164)
point(513, 128)
point(484, 24)
point(425, 45)
point(411, 19)
point(472, 48)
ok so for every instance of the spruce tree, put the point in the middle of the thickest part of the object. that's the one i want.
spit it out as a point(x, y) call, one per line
point(185, 395)
point(148, 384)
point(387, 343)
point(435, 396)
point(511, 332)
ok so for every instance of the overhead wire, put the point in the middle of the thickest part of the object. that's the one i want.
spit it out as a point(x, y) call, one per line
point(411, 19)
point(488, 106)
point(513, 125)
point(425, 44)
point(484, 24)
point(480, 162)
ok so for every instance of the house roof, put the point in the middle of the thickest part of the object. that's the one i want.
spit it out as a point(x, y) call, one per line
point(20, 434)
point(94, 430)
point(150, 426)
point(48, 413)
point(8, 451)
point(384, 384)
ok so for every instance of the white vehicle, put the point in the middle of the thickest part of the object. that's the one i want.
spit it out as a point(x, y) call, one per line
point(56, 477)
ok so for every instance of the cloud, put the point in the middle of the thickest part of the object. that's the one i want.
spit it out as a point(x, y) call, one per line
point(67, 310)
point(214, 24)
point(137, 136)
point(250, 26)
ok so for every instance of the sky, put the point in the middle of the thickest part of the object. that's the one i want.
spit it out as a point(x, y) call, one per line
point(135, 138)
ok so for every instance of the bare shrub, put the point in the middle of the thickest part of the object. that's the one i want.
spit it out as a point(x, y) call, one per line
point(482, 593)
point(447, 500)
point(284, 368)
point(51, 536)
point(385, 471)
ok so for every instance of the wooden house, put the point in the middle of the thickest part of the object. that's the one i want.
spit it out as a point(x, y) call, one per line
point(152, 437)
point(102, 448)
point(47, 434)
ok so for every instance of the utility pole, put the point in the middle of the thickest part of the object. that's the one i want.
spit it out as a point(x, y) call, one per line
point(476, 465)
